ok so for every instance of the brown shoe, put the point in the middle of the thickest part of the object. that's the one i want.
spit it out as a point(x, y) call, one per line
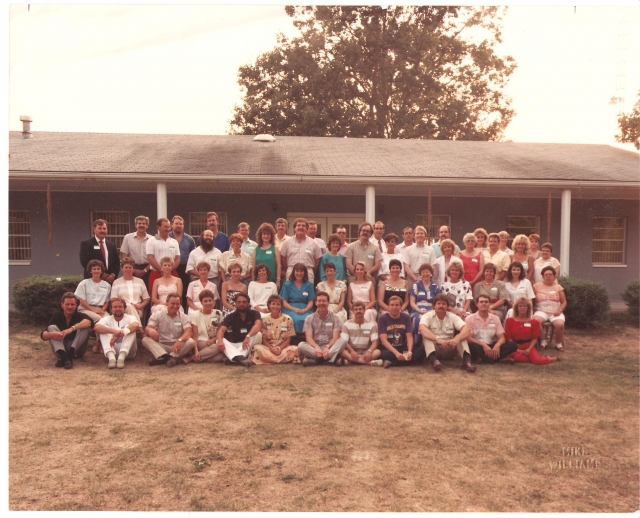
point(172, 362)
point(466, 366)
point(157, 361)
point(436, 365)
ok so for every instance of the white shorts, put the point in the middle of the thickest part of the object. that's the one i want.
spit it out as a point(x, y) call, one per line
point(548, 317)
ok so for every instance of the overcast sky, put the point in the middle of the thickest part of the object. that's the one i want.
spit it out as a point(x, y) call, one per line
point(173, 69)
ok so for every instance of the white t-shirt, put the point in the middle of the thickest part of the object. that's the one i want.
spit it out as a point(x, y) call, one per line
point(524, 288)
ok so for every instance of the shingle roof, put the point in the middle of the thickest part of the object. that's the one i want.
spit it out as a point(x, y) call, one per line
point(317, 156)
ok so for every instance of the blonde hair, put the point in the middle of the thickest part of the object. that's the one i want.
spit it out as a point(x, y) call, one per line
point(469, 235)
point(458, 264)
point(521, 238)
point(481, 231)
point(367, 277)
point(504, 233)
point(448, 242)
point(522, 300)
point(420, 227)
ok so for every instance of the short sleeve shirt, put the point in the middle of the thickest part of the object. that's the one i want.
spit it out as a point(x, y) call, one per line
point(277, 329)
point(444, 328)
point(548, 297)
point(159, 248)
point(367, 254)
point(359, 336)
point(212, 257)
point(500, 260)
point(207, 325)
point(322, 328)
point(169, 328)
point(135, 247)
point(228, 258)
point(133, 291)
point(305, 251)
point(523, 288)
point(238, 329)
point(395, 329)
point(485, 331)
point(95, 294)
point(415, 256)
point(457, 293)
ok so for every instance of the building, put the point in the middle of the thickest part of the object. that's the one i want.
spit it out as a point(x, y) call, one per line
point(592, 191)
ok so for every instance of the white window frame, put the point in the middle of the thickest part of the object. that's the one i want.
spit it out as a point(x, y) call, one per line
point(437, 220)
point(622, 263)
point(325, 220)
point(198, 223)
point(22, 238)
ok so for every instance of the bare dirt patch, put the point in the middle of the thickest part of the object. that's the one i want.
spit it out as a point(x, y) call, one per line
point(288, 438)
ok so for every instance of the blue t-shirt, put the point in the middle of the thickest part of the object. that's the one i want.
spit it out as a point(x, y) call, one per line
point(396, 329)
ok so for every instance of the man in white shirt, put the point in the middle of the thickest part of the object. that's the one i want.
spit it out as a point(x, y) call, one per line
point(342, 232)
point(300, 248)
point(131, 289)
point(206, 252)
point(377, 238)
point(407, 239)
point(311, 232)
point(248, 246)
point(437, 329)
point(118, 334)
point(417, 254)
point(134, 245)
point(159, 246)
point(281, 233)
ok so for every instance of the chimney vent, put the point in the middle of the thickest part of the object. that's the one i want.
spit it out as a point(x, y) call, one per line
point(26, 126)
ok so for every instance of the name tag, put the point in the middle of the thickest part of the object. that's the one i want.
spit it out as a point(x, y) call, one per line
point(425, 253)
point(366, 331)
point(213, 259)
point(448, 330)
point(104, 288)
point(527, 324)
point(177, 323)
point(267, 288)
point(305, 293)
point(269, 252)
point(96, 247)
point(522, 287)
point(283, 327)
point(474, 260)
point(421, 293)
point(552, 291)
point(494, 289)
point(308, 250)
point(171, 247)
point(492, 324)
point(366, 288)
point(243, 329)
point(370, 256)
point(328, 324)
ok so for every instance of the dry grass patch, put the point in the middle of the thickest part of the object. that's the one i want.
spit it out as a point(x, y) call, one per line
point(285, 438)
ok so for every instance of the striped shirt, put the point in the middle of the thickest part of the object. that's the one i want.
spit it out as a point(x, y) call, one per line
point(133, 291)
point(359, 336)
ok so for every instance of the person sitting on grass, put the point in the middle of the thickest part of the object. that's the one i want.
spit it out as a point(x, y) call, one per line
point(277, 330)
point(68, 331)
point(322, 335)
point(437, 329)
point(395, 332)
point(168, 333)
point(118, 334)
point(240, 332)
point(486, 334)
point(361, 339)
point(523, 330)
point(204, 325)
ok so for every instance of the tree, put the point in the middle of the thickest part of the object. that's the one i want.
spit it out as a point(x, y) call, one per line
point(630, 126)
point(402, 72)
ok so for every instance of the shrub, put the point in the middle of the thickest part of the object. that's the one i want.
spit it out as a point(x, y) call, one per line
point(587, 302)
point(37, 297)
point(631, 295)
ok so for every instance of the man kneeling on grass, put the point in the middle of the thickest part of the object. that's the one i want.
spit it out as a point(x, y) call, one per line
point(118, 334)
point(396, 336)
point(486, 334)
point(322, 335)
point(361, 339)
point(168, 333)
point(68, 331)
point(240, 332)
point(437, 328)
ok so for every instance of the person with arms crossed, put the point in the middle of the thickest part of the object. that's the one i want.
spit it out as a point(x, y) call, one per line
point(205, 252)
point(300, 248)
point(486, 335)
point(205, 323)
point(363, 251)
point(131, 289)
point(277, 330)
point(417, 254)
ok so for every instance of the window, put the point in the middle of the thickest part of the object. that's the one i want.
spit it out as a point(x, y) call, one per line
point(608, 240)
point(117, 224)
point(526, 225)
point(198, 223)
point(437, 220)
point(19, 237)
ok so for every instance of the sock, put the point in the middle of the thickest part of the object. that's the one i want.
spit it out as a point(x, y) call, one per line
point(111, 355)
point(122, 356)
point(432, 357)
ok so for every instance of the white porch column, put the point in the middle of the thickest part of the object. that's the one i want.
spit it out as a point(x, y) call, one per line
point(161, 200)
point(565, 231)
point(370, 204)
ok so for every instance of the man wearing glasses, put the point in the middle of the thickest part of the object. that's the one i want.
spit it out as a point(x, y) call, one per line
point(363, 251)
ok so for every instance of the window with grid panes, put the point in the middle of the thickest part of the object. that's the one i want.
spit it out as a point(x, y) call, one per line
point(608, 240)
point(351, 228)
point(198, 223)
point(117, 224)
point(526, 225)
point(19, 237)
point(437, 220)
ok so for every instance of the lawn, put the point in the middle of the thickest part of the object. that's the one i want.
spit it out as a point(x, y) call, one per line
point(206, 437)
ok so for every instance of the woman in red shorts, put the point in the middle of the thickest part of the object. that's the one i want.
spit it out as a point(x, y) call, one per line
point(524, 330)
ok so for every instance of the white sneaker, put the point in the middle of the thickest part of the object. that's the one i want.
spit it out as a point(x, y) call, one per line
point(560, 347)
point(120, 362)
point(543, 344)
point(112, 362)
point(376, 363)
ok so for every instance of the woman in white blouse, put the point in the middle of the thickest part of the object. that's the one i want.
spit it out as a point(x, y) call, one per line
point(260, 290)
point(545, 260)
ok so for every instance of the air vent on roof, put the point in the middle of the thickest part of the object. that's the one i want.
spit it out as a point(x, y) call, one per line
point(26, 126)
point(263, 137)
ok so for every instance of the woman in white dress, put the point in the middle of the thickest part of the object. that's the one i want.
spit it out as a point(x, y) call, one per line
point(447, 248)
point(362, 289)
point(198, 286)
point(260, 290)
point(458, 290)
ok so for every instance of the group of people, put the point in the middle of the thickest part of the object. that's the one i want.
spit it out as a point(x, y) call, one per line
point(380, 300)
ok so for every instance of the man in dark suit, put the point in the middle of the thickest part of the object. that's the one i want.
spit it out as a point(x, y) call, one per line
point(99, 248)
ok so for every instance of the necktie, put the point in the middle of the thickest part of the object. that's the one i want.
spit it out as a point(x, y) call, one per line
point(102, 251)
point(380, 245)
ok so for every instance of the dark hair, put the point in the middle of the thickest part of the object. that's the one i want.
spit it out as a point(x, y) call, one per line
point(547, 245)
point(299, 266)
point(171, 296)
point(490, 266)
point(358, 303)
point(440, 297)
point(69, 295)
point(127, 260)
point(425, 266)
point(329, 264)
point(483, 296)
point(548, 269)
point(395, 262)
point(241, 294)
point(519, 265)
point(117, 299)
point(263, 266)
point(395, 297)
point(272, 298)
point(323, 294)
point(99, 222)
point(206, 293)
point(332, 238)
point(160, 221)
point(390, 236)
point(95, 262)
point(265, 227)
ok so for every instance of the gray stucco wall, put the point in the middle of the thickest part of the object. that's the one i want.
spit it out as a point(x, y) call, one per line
point(71, 222)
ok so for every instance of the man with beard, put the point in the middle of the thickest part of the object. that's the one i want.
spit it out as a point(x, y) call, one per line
point(220, 239)
point(168, 334)
point(443, 233)
point(240, 332)
point(68, 331)
point(118, 334)
point(208, 253)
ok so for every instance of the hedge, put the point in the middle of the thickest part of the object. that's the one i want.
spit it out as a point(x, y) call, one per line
point(587, 302)
point(631, 295)
point(37, 297)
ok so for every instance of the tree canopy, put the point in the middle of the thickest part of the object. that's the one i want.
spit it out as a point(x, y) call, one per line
point(428, 72)
point(630, 126)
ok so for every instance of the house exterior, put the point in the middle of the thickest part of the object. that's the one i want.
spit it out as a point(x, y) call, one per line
point(585, 198)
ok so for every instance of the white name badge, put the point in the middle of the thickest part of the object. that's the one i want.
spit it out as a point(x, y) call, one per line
point(177, 323)
point(96, 247)
point(328, 324)
point(213, 259)
point(492, 323)
point(552, 291)
point(494, 289)
point(104, 288)
point(364, 288)
point(267, 288)
point(283, 327)
point(527, 324)
point(308, 250)
point(171, 247)
point(366, 331)
point(269, 252)
point(305, 293)
point(243, 329)
point(474, 260)
point(370, 256)
point(448, 330)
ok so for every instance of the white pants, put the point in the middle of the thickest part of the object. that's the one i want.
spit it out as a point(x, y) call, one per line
point(126, 345)
point(232, 350)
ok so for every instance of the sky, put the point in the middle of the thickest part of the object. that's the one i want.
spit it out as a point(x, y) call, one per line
point(173, 68)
